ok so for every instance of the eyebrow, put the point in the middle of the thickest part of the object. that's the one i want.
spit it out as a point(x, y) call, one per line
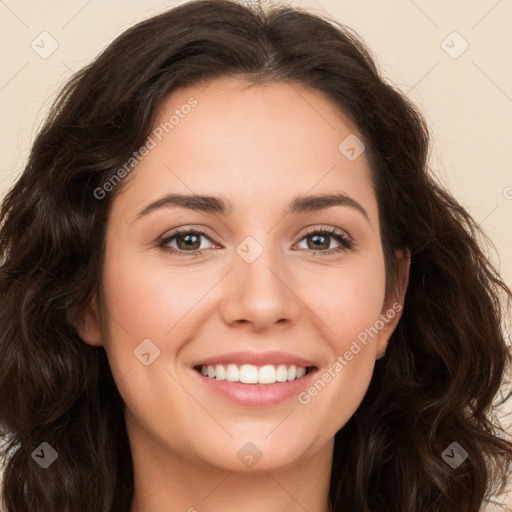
point(212, 204)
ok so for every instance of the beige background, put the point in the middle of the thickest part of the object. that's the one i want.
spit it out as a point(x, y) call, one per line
point(466, 95)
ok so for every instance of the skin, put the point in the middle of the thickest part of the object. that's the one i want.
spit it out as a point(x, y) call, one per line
point(258, 147)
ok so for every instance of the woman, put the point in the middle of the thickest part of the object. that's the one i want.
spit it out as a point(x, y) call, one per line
point(229, 281)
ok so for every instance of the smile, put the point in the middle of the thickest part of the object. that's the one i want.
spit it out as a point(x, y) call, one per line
point(251, 374)
point(250, 378)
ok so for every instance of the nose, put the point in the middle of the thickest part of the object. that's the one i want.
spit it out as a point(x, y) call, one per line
point(260, 294)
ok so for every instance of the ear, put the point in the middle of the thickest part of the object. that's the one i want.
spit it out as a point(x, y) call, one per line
point(89, 324)
point(394, 301)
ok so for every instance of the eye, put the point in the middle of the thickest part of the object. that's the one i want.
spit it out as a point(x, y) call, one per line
point(185, 241)
point(188, 242)
point(319, 240)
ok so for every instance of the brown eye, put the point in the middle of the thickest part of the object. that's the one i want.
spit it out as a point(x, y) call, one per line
point(185, 242)
point(188, 241)
point(320, 241)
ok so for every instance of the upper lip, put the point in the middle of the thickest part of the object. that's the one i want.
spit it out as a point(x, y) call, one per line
point(256, 359)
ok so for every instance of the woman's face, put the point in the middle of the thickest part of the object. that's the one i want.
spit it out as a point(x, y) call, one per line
point(267, 280)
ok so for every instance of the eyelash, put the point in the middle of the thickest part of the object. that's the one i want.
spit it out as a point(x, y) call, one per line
point(346, 244)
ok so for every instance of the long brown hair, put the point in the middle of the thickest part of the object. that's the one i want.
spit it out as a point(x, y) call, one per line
point(445, 361)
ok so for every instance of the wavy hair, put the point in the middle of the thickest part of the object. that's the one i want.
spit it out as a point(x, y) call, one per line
point(446, 359)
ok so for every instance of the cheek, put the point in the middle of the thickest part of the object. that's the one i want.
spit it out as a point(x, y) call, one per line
point(147, 301)
point(348, 299)
point(150, 317)
point(141, 305)
point(349, 303)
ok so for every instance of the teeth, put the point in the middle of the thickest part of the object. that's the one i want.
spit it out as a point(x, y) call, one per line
point(282, 373)
point(301, 371)
point(267, 374)
point(250, 374)
point(220, 372)
point(232, 373)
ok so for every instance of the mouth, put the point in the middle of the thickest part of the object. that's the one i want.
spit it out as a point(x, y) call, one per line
point(255, 378)
point(252, 374)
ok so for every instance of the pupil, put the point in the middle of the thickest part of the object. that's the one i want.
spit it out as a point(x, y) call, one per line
point(316, 239)
point(188, 242)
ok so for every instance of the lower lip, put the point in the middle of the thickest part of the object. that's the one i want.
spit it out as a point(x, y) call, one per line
point(257, 394)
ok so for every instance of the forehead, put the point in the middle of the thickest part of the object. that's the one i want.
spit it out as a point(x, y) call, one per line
point(231, 137)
